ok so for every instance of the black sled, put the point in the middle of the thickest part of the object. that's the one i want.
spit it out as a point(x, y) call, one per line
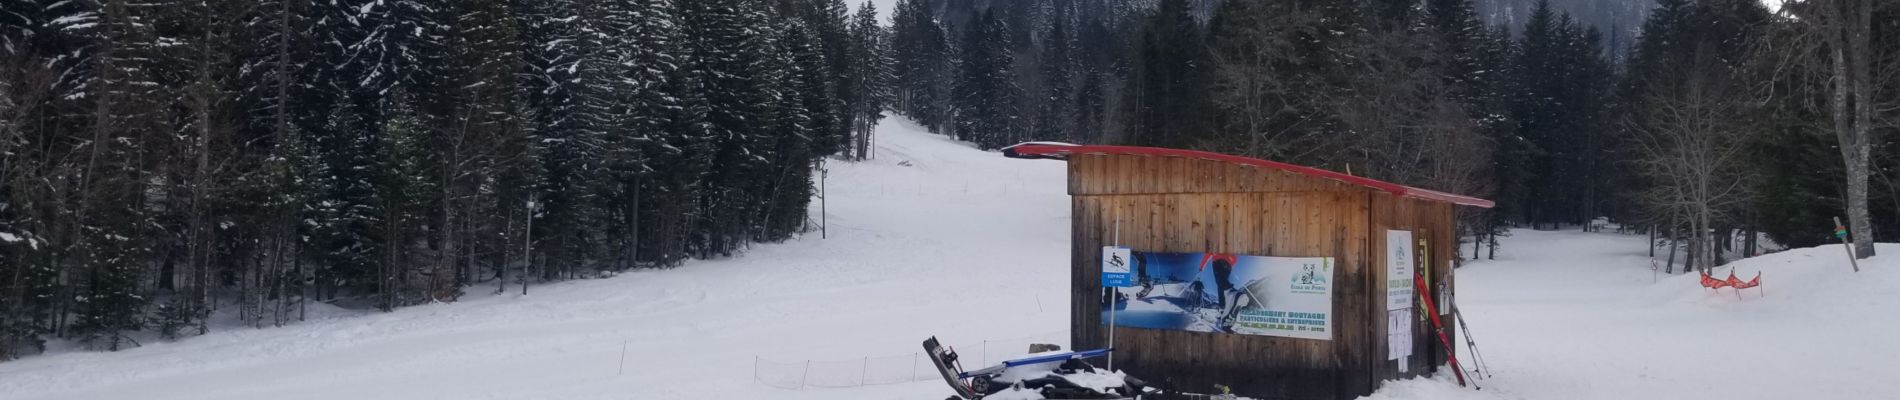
point(1055, 375)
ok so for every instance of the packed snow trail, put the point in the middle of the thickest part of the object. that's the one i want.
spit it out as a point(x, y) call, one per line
point(936, 238)
point(918, 239)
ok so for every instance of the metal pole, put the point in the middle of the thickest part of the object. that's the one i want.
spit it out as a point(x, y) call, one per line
point(623, 361)
point(527, 247)
point(1112, 297)
point(824, 213)
point(805, 375)
point(1840, 230)
point(1111, 329)
point(913, 367)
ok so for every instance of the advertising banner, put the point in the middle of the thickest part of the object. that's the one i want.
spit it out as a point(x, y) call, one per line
point(1398, 270)
point(1225, 293)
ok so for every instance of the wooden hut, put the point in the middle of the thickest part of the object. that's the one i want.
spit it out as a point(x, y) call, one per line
point(1181, 201)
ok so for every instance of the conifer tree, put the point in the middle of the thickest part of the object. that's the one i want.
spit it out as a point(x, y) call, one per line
point(985, 107)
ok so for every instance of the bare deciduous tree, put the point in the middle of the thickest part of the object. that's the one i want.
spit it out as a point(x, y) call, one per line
point(1692, 143)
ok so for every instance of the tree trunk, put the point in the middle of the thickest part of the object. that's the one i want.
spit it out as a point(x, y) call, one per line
point(1669, 265)
point(1852, 82)
point(1652, 243)
point(1493, 242)
point(1749, 247)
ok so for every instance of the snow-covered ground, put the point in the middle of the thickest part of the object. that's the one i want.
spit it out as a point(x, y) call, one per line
point(1572, 315)
point(936, 238)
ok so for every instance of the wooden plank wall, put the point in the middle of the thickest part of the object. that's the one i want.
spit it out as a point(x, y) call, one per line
point(1432, 222)
point(1173, 204)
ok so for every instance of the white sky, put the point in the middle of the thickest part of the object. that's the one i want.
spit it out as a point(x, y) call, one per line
point(884, 8)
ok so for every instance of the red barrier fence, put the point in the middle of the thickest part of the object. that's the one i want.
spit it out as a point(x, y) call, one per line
point(1709, 281)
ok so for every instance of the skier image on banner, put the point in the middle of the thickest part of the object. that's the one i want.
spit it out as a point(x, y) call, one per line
point(1186, 291)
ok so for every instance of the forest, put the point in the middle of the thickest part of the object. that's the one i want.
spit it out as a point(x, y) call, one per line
point(1706, 121)
point(171, 162)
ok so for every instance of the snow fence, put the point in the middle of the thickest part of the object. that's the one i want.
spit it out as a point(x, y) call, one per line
point(892, 368)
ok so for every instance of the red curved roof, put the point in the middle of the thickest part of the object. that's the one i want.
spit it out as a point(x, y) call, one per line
point(1063, 151)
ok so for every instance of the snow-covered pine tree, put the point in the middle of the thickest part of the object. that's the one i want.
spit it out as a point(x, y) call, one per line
point(986, 90)
point(1055, 116)
point(869, 83)
point(805, 114)
point(642, 42)
point(923, 64)
point(112, 215)
point(203, 161)
point(731, 44)
point(479, 96)
point(404, 178)
point(828, 23)
point(1166, 93)
point(573, 101)
point(681, 157)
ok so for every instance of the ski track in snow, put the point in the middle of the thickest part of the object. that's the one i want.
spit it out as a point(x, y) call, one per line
point(935, 238)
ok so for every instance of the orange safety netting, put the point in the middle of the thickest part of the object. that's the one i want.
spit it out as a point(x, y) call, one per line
point(1709, 281)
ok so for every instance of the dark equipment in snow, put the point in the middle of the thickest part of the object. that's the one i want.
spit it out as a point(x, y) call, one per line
point(1055, 375)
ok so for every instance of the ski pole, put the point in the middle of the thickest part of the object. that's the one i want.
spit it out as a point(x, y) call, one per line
point(1477, 358)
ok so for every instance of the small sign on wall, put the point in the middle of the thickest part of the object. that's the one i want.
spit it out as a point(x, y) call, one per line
point(1115, 271)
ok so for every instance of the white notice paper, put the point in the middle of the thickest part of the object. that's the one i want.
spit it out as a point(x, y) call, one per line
point(1398, 334)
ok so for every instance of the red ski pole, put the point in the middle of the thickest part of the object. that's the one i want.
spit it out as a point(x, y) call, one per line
point(1451, 353)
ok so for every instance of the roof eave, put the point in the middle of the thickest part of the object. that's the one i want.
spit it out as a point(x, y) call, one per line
point(1062, 151)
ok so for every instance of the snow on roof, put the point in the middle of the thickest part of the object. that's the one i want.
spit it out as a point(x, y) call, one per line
point(1062, 151)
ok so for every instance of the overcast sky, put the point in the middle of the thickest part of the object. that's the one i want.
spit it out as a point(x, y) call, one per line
point(884, 8)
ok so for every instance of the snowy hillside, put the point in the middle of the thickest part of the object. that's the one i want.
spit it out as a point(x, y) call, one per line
point(936, 238)
point(918, 238)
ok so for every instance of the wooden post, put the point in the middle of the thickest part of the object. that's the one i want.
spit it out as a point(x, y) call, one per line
point(1841, 231)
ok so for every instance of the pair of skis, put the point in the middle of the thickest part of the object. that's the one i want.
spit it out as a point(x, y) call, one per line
point(1451, 353)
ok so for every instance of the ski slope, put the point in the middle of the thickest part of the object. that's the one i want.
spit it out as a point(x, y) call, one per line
point(936, 238)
